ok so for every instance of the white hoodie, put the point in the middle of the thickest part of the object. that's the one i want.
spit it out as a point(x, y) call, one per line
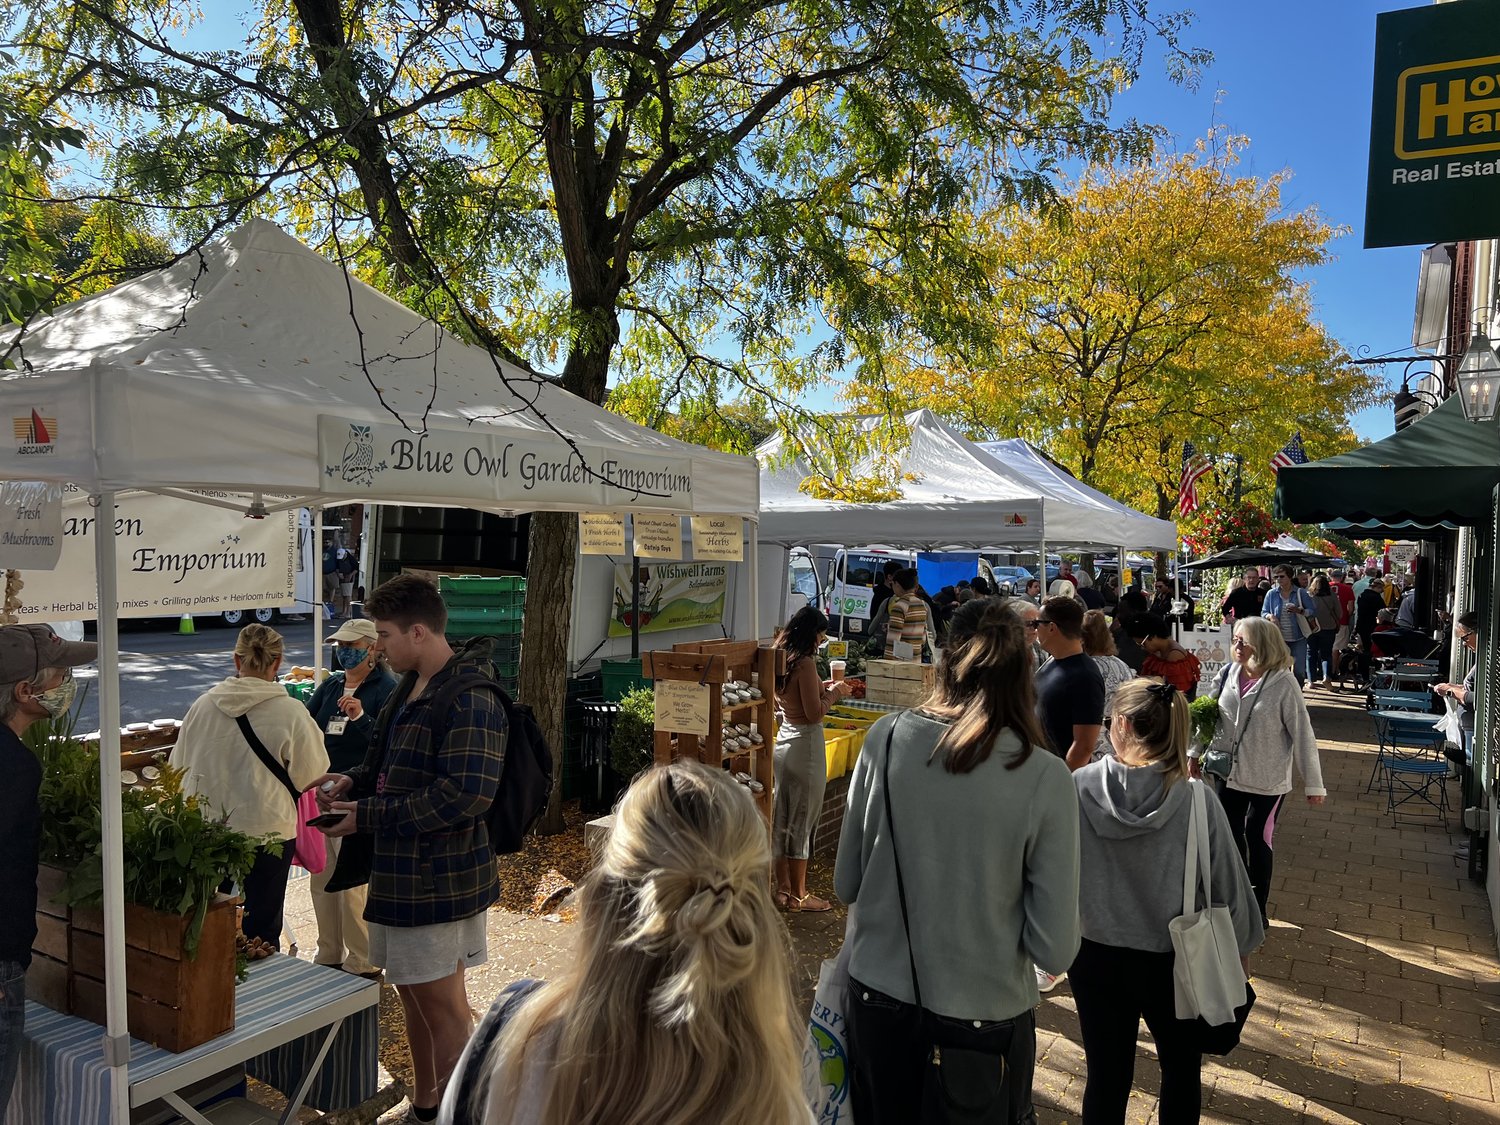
point(222, 770)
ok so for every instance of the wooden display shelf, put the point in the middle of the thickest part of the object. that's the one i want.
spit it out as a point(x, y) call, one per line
point(716, 663)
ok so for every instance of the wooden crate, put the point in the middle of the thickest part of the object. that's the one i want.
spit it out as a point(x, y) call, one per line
point(171, 1002)
point(898, 683)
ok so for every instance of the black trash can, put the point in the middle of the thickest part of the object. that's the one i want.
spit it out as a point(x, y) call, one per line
point(601, 785)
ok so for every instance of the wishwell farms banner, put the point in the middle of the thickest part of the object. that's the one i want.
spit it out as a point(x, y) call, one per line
point(174, 556)
point(674, 595)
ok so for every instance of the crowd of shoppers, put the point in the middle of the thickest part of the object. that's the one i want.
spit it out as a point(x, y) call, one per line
point(1029, 819)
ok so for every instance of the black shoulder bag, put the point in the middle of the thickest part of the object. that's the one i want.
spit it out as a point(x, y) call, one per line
point(278, 771)
point(978, 1073)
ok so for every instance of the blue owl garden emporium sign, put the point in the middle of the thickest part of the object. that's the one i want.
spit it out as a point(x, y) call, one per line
point(379, 460)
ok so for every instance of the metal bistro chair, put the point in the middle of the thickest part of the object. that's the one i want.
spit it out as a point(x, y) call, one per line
point(1415, 765)
point(1391, 732)
point(1392, 699)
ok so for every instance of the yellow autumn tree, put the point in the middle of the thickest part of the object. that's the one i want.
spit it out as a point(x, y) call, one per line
point(1164, 302)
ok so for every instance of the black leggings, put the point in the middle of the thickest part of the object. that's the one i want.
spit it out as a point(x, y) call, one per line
point(1252, 823)
point(1115, 988)
point(265, 894)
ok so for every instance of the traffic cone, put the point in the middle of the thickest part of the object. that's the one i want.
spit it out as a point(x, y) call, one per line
point(185, 626)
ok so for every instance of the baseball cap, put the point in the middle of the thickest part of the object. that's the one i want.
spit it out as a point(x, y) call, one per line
point(355, 629)
point(26, 649)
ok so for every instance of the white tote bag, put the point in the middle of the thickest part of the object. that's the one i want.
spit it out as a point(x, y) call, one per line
point(1208, 977)
point(825, 1055)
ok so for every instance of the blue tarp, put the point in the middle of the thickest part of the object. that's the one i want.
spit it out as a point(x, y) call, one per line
point(936, 569)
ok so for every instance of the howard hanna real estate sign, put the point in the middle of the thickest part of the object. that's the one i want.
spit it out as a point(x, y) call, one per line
point(1435, 125)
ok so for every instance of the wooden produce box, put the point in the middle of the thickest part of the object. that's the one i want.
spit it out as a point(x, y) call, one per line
point(898, 683)
point(172, 1002)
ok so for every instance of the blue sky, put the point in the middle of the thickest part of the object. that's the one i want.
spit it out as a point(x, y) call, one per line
point(1295, 77)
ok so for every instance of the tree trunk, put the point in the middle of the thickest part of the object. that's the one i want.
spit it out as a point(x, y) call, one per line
point(551, 562)
point(549, 621)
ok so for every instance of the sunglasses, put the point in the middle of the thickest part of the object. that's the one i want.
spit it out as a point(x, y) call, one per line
point(1035, 624)
point(1467, 635)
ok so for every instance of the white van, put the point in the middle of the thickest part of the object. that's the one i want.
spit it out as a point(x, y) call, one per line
point(848, 580)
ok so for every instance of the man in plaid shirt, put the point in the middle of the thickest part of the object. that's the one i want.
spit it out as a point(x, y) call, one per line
point(424, 799)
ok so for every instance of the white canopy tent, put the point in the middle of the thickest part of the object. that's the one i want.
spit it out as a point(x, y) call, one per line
point(1077, 515)
point(260, 367)
point(955, 493)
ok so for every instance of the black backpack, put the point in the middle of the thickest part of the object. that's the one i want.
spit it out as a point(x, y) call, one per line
point(526, 780)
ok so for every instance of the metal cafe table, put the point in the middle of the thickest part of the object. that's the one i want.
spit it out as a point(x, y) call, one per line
point(310, 1031)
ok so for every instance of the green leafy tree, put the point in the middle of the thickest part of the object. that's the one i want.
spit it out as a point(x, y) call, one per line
point(1166, 301)
point(611, 187)
point(31, 139)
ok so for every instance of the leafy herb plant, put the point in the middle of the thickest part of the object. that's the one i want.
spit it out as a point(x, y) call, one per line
point(175, 855)
point(1204, 713)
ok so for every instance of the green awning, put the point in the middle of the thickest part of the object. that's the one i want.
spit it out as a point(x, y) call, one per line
point(1440, 468)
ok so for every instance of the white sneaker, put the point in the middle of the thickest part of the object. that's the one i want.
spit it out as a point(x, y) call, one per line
point(1046, 982)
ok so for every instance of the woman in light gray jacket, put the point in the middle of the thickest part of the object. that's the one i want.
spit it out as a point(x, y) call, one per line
point(1263, 721)
point(985, 827)
point(1136, 810)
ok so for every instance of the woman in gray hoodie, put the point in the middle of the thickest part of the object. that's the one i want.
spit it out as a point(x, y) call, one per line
point(983, 822)
point(1263, 722)
point(1135, 809)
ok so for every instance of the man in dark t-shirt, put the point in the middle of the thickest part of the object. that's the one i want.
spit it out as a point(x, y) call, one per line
point(1069, 688)
point(1244, 602)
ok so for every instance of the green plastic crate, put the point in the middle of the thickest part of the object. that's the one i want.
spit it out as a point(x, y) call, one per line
point(474, 621)
point(470, 589)
point(620, 676)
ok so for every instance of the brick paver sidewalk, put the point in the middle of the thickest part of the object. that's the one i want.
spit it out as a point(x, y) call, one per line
point(1379, 985)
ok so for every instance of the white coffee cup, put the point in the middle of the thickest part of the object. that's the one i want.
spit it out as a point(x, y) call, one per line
point(836, 669)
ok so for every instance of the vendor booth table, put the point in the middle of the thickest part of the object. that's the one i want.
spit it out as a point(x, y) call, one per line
point(310, 1031)
point(357, 400)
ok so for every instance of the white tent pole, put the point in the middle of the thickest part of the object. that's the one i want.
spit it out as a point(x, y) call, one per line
point(1041, 567)
point(117, 1035)
point(784, 600)
point(754, 535)
point(319, 594)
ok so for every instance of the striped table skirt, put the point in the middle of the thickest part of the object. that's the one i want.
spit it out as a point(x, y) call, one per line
point(281, 1012)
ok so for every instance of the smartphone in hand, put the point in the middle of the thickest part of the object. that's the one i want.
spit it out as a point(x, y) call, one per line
point(327, 820)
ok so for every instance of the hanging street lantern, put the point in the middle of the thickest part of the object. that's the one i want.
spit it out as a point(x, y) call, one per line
point(1479, 379)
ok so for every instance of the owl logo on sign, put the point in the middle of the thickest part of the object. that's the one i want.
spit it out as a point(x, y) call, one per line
point(357, 466)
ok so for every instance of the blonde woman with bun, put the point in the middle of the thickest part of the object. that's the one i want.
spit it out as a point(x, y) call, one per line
point(960, 846)
point(1136, 808)
point(222, 770)
point(677, 1008)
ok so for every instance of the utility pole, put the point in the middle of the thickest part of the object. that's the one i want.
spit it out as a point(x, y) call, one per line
point(1239, 464)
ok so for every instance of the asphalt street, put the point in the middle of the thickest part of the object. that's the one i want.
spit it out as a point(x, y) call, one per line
point(162, 672)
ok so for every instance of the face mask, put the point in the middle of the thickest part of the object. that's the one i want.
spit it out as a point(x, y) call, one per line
point(350, 658)
point(59, 700)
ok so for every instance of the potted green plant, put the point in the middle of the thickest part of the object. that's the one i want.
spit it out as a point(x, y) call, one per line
point(176, 856)
point(630, 746)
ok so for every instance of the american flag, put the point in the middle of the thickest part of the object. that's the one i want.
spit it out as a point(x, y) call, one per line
point(1289, 454)
point(1194, 465)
